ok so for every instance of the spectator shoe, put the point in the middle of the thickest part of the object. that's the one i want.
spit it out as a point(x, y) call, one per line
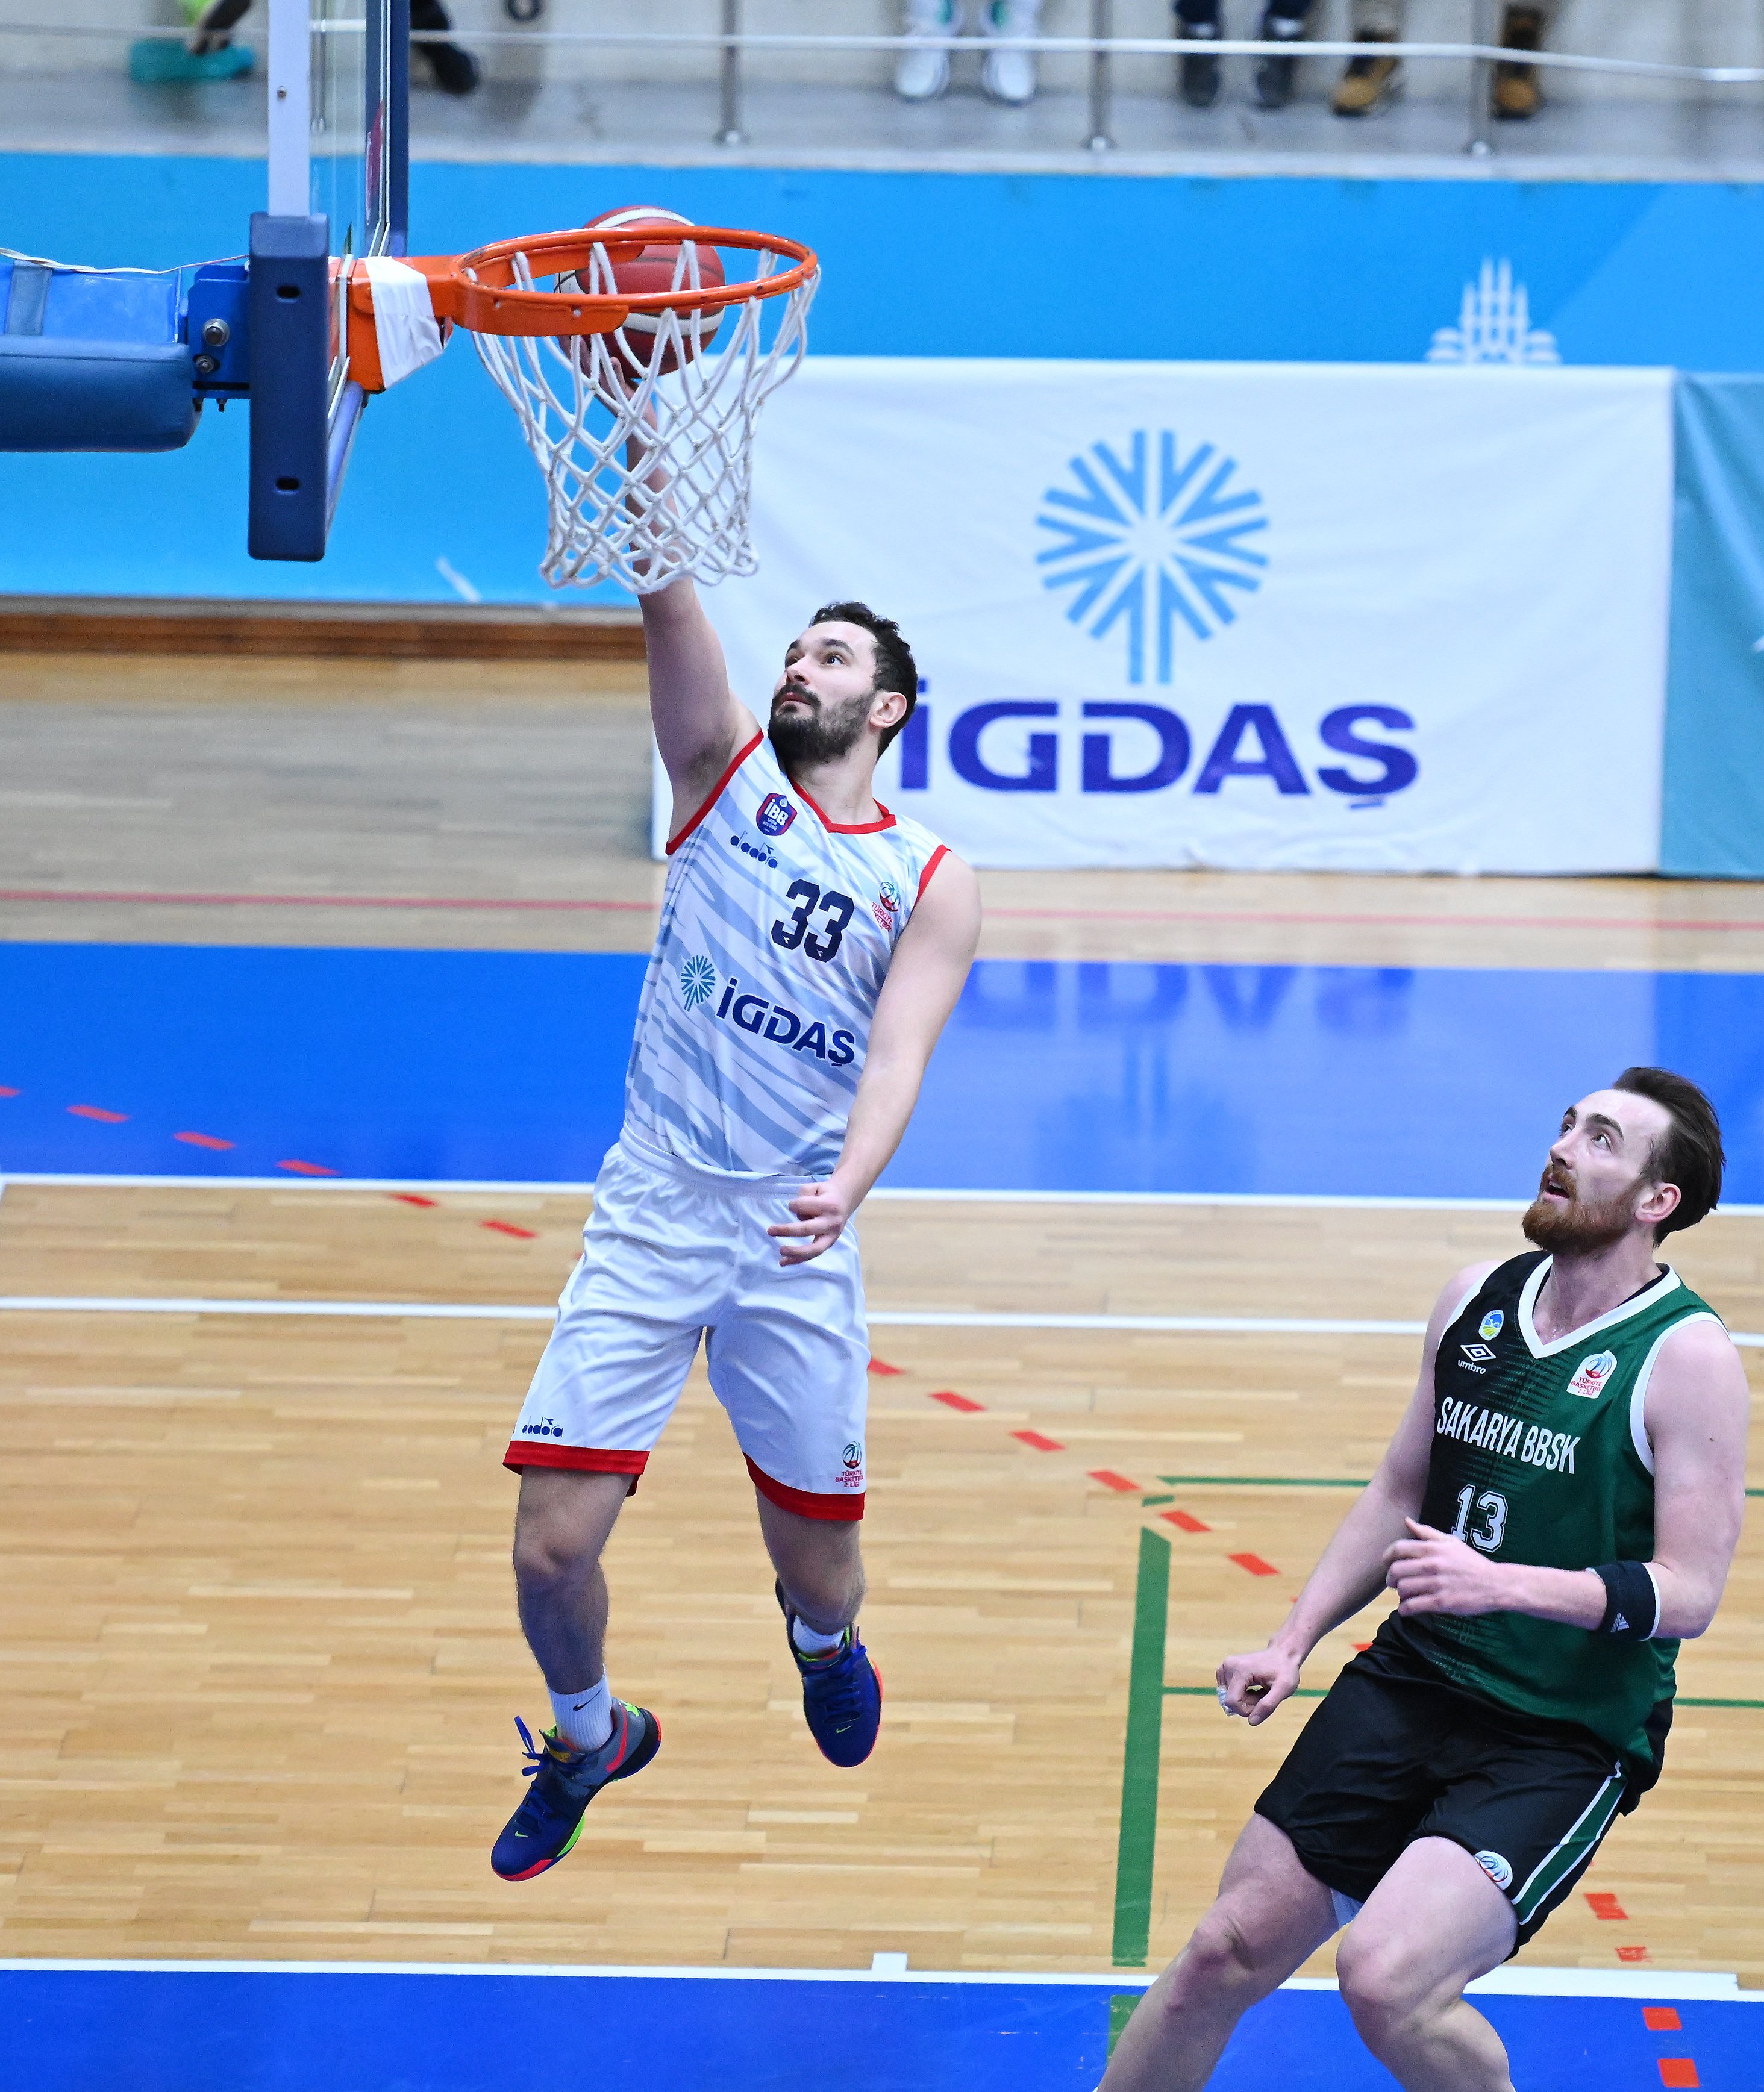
point(1274, 77)
point(1368, 83)
point(1515, 95)
point(1009, 77)
point(923, 75)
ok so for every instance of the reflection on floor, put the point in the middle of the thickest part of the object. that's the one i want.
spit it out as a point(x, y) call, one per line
point(1054, 1075)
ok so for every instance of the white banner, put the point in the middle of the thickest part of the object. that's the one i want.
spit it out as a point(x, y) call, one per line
point(1258, 616)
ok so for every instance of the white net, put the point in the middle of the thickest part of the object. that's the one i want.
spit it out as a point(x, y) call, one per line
point(644, 435)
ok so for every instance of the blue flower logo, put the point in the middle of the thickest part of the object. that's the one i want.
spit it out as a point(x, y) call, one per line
point(1151, 550)
point(698, 981)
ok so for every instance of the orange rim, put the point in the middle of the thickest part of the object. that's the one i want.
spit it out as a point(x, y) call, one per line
point(479, 291)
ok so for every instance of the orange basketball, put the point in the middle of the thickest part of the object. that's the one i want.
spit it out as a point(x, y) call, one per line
point(659, 265)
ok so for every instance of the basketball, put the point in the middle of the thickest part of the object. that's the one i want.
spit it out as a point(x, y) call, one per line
point(659, 265)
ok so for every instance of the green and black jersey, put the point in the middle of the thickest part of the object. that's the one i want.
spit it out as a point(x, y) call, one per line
point(1540, 1456)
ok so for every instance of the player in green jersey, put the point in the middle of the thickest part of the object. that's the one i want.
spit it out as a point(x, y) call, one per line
point(1559, 1507)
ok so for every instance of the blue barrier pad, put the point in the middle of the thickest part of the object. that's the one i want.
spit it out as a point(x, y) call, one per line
point(1052, 1076)
point(422, 2031)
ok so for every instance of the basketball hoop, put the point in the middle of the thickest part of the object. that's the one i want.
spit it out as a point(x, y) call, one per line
point(638, 406)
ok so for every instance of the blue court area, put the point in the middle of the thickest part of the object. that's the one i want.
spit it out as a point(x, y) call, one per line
point(1091, 1076)
point(374, 2030)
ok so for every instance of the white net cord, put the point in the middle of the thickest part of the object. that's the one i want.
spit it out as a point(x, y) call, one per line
point(645, 438)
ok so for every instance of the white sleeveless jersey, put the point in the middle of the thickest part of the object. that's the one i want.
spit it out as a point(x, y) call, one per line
point(777, 926)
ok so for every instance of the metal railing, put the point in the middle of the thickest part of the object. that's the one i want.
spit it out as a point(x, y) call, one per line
point(1100, 46)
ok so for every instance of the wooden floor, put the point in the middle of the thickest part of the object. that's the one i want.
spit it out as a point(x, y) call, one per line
point(257, 1634)
point(309, 802)
point(260, 1663)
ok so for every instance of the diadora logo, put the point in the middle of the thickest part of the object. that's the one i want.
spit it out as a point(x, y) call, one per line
point(778, 1027)
point(697, 980)
point(1475, 1357)
point(754, 849)
point(1491, 1325)
point(889, 905)
point(546, 1428)
point(1152, 548)
point(775, 815)
point(1591, 1374)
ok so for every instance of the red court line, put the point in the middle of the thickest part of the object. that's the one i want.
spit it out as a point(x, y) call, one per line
point(1416, 921)
point(411, 1199)
point(1662, 2019)
point(1678, 2070)
point(307, 1168)
point(332, 900)
point(1255, 1564)
point(1111, 1481)
point(202, 1140)
point(1038, 1442)
point(5, 1092)
point(1633, 1954)
point(508, 1228)
point(1185, 1522)
point(1604, 1904)
point(883, 1369)
point(951, 1400)
point(97, 1112)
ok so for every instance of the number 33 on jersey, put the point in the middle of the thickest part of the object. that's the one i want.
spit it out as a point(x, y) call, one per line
point(777, 927)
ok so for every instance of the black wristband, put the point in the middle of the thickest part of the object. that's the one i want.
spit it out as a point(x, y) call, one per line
point(1632, 1603)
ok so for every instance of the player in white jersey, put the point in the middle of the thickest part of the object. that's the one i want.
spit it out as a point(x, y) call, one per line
point(811, 948)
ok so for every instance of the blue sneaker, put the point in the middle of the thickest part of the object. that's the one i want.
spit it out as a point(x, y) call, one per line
point(841, 1695)
point(549, 1821)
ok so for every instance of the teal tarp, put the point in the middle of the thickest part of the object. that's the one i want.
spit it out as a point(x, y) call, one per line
point(1712, 809)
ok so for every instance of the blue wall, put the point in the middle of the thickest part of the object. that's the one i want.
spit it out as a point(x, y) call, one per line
point(915, 264)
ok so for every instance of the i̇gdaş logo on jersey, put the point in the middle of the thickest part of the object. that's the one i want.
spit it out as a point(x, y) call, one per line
point(1591, 1374)
point(775, 815)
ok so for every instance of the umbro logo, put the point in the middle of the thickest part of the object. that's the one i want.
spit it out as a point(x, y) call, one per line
point(1478, 1354)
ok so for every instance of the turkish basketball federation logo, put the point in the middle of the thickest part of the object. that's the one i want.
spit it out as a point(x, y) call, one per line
point(775, 815)
point(1153, 545)
point(1591, 1374)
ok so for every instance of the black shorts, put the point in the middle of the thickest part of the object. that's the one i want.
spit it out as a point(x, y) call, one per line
point(1389, 1758)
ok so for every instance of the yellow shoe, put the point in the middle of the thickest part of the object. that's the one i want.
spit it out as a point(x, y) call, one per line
point(1368, 83)
point(1516, 96)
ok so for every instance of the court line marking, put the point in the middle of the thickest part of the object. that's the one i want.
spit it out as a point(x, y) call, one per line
point(1136, 1845)
point(514, 1186)
point(889, 1318)
point(1701, 924)
point(1721, 1988)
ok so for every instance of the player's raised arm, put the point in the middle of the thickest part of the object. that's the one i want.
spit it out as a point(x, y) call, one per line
point(924, 980)
point(700, 725)
point(1350, 1571)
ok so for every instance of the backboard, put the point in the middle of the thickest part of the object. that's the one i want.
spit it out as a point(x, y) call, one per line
point(338, 166)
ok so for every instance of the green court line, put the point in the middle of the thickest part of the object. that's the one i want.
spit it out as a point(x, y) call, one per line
point(1314, 1692)
point(1139, 1767)
point(1260, 1482)
point(1120, 2005)
point(1276, 1482)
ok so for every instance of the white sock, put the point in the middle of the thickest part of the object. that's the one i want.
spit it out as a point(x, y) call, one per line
point(812, 1644)
point(584, 1719)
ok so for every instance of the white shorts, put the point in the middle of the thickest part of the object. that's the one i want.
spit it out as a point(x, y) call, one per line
point(672, 1251)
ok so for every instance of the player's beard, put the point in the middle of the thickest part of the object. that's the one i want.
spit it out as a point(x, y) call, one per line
point(822, 734)
point(1583, 1226)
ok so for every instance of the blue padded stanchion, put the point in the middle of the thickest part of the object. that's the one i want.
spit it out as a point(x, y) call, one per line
point(91, 360)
